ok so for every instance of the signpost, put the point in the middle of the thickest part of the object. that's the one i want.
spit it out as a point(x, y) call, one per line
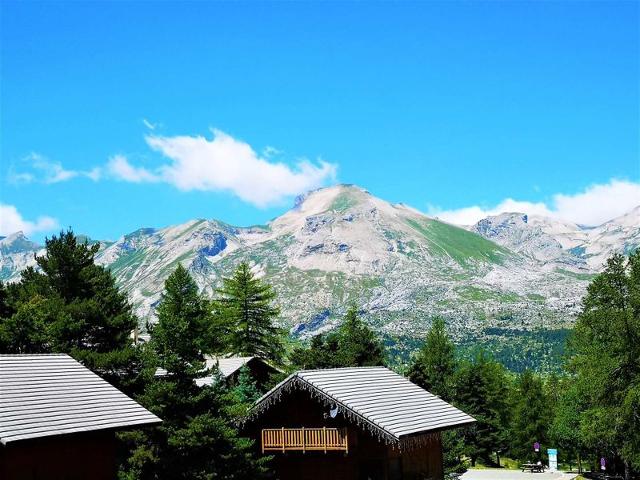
point(553, 459)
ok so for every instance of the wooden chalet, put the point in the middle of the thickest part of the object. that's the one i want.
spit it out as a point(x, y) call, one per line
point(364, 423)
point(229, 369)
point(58, 419)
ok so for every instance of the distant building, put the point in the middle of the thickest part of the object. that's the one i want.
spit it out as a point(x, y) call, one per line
point(58, 419)
point(352, 423)
point(229, 368)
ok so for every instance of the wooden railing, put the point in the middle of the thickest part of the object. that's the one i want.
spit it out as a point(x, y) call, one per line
point(305, 439)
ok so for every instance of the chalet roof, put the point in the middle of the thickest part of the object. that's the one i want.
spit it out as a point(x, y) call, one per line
point(375, 397)
point(227, 366)
point(53, 394)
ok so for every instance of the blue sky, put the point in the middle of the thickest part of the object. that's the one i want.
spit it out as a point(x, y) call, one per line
point(121, 115)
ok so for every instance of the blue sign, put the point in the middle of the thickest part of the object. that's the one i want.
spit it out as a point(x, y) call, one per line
point(553, 459)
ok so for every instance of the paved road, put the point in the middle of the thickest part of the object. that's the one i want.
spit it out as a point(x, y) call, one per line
point(500, 474)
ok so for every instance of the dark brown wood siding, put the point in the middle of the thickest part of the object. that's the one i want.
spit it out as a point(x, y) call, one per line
point(67, 457)
point(368, 456)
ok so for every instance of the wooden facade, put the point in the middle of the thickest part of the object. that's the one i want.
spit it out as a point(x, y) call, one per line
point(365, 457)
point(77, 456)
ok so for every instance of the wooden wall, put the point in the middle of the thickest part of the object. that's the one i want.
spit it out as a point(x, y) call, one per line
point(368, 458)
point(66, 457)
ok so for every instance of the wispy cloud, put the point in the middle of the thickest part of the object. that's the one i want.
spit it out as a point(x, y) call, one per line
point(150, 125)
point(12, 221)
point(38, 168)
point(594, 205)
point(221, 163)
point(120, 169)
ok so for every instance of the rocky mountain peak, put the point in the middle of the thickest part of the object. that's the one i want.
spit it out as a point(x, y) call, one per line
point(17, 242)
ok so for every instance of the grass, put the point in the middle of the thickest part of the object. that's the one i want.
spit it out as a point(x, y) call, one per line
point(579, 276)
point(479, 294)
point(343, 202)
point(457, 243)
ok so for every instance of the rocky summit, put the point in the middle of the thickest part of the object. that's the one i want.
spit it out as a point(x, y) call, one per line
point(341, 244)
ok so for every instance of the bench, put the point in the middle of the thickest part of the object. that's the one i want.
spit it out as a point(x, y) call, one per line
point(532, 467)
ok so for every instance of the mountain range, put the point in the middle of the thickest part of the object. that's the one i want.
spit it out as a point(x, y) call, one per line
point(507, 273)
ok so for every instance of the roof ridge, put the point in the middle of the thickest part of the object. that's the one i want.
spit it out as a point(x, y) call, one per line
point(25, 355)
point(368, 367)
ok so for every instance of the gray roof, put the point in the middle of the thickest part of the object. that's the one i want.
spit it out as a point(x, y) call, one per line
point(52, 394)
point(226, 365)
point(387, 403)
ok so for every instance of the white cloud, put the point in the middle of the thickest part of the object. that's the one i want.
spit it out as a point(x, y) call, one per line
point(120, 169)
point(593, 206)
point(226, 164)
point(48, 171)
point(221, 163)
point(11, 221)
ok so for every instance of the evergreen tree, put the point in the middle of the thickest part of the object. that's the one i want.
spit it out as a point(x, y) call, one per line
point(530, 417)
point(322, 352)
point(26, 330)
point(564, 431)
point(353, 344)
point(246, 306)
point(6, 309)
point(179, 336)
point(244, 393)
point(434, 369)
point(197, 439)
point(605, 349)
point(71, 305)
point(482, 391)
point(434, 366)
point(358, 345)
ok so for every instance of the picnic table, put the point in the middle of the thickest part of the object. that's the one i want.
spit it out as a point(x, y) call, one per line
point(533, 467)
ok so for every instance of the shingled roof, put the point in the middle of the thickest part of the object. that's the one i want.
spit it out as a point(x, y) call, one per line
point(227, 366)
point(52, 394)
point(386, 403)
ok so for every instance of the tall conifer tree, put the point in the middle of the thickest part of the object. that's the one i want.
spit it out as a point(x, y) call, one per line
point(246, 303)
point(197, 439)
point(72, 305)
point(434, 366)
point(531, 417)
point(605, 356)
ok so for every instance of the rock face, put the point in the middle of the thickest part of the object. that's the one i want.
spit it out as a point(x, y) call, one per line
point(340, 245)
point(559, 244)
point(16, 254)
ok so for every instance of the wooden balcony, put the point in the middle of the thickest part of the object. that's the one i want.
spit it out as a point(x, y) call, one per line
point(305, 439)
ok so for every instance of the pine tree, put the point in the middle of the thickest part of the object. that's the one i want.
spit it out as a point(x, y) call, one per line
point(605, 356)
point(71, 305)
point(246, 304)
point(434, 369)
point(531, 417)
point(564, 431)
point(243, 394)
point(434, 366)
point(358, 345)
point(197, 439)
point(353, 344)
point(482, 391)
point(179, 336)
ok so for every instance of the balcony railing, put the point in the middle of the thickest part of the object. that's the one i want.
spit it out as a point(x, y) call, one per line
point(305, 439)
